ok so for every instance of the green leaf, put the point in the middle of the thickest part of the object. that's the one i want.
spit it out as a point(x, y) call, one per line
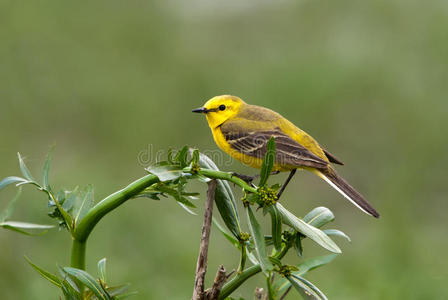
point(268, 162)
point(298, 244)
point(20, 226)
point(258, 237)
point(11, 179)
point(319, 216)
point(166, 171)
point(307, 230)
point(70, 199)
point(25, 172)
point(102, 269)
point(336, 232)
point(224, 199)
point(46, 169)
point(276, 222)
point(87, 279)
point(45, 274)
point(230, 238)
point(69, 292)
point(118, 290)
point(195, 157)
point(7, 212)
point(310, 288)
point(313, 263)
point(303, 289)
point(187, 208)
point(181, 157)
point(83, 204)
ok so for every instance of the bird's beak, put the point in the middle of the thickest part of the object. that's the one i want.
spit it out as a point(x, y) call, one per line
point(200, 110)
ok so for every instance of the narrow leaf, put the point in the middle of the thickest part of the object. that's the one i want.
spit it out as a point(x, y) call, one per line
point(21, 227)
point(46, 169)
point(319, 216)
point(195, 157)
point(69, 292)
point(87, 280)
point(102, 269)
point(230, 238)
point(307, 230)
point(165, 171)
point(313, 263)
point(311, 286)
point(186, 208)
point(336, 232)
point(181, 157)
point(224, 199)
point(25, 172)
point(118, 290)
point(268, 162)
point(11, 179)
point(45, 274)
point(258, 237)
point(276, 222)
point(303, 289)
point(83, 204)
point(5, 214)
point(298, 244)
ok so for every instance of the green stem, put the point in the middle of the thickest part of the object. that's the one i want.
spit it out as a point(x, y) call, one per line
point(224, 176)
point(78, 259)
point(240, 278)
point(85, 227)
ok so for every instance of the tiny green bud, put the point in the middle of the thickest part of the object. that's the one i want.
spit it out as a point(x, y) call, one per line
point(267, 196)
point(285, 270)
point(195, 169)
point(244, 236)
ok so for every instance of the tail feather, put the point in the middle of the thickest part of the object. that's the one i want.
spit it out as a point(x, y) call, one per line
point(342, 186)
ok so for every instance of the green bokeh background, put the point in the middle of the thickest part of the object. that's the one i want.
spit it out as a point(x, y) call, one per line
point(108, 82)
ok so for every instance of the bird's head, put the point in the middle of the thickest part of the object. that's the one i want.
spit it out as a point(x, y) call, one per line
point(220, 108)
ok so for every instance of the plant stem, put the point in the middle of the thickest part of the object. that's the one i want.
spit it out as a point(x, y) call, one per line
point(240, 278)
point(85, 227)
point(213, 174)
point(78, 259)
point(201, 266)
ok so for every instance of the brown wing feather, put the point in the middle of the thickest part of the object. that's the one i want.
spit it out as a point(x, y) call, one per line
point(332, 158)
point(288, 151)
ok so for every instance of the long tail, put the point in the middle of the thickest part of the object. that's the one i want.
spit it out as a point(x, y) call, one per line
point(339, 184)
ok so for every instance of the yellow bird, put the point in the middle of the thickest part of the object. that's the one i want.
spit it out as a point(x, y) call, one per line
point(242, 131)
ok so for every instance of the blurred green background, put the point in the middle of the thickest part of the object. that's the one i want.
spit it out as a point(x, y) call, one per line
point(108, 81)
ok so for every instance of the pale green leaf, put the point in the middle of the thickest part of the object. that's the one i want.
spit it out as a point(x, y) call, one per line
point(307, 230)
point(260, 246)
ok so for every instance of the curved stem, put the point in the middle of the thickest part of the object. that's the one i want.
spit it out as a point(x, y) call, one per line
point(82, 230)
point(85, 227)
point(239, 279)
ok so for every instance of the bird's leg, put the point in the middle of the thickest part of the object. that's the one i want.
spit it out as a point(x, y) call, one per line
point(291, 174)
point(249, 178)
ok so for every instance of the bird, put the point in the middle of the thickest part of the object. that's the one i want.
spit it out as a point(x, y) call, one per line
point(242, 130)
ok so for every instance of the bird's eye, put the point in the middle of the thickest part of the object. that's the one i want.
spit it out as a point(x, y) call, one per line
point(222, 107)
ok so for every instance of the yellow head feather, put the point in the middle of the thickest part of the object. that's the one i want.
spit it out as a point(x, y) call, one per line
point(221, 108)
